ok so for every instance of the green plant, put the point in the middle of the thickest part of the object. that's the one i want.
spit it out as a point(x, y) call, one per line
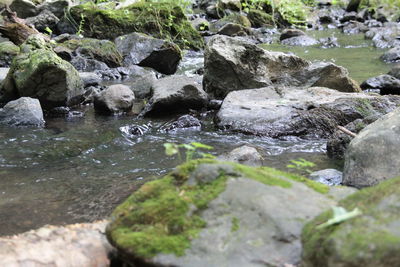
point(191, 150)
point(301, 165)
point(81, 24)
point(48, 30)
point(340, 215)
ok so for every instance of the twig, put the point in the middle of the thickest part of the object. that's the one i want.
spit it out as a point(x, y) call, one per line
point(344, 130)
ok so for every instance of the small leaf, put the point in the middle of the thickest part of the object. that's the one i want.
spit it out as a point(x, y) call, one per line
point(340, 215)
point(171, 149)
point(200, 145)
point(207, 155)
point(187, 147)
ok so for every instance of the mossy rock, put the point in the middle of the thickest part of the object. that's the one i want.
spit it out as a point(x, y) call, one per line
point(206, 203)
point(232, 18)
point(101, 50)
point(38, 72)
point(371, 239)
point(8, 51)
point(163, 20)
point(259, 18)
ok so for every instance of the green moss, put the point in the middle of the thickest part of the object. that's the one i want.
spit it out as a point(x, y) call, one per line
point(259, 18)
point(164, 20)
point(8, 48)
point(266, 176)
point(102, 50)
point(364, 107)
point(236, 18)
point(235, 224)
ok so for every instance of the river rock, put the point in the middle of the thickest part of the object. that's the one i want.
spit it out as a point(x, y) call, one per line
point(392, 55)
point(89, 79)
point(386, 83)
point(43, 21)
point(235, 5)
point(373, 146)
point(313, 112)
point(259, 18)
point(57, 7)
point(245, 154)
point(208, 213)
point(233, 29)
point(385, 37)
point(370, 239)
point(146, 51)
point(24, 111)
point(183, 123)
point(24, 8)
point(395, 72)
point(328, 176)
point(290, 33)
point(72, 245)
point(176, 93)
point(3, 74)
point(254, 67)
point(303, 40)
point(115, 99)
point(39, 73)
point(8, 51)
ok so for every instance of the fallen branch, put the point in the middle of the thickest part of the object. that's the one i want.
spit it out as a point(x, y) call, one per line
point(344, 130)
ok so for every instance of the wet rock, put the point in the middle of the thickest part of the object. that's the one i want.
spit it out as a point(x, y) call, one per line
point(385, 37)
point(24, 111)
point(393, 55)
point(395, 72)
point(312, 112)
point(377, 143)
point(369, 239)
point(39, 73)
point(183, 123)
point(8, 51)
point(200, 24)
point(3, 74)
point(354, 27)
point(71, 245)
point(57, 7)
point(246, 155)
point(109, 74)
point(141, 81)
point(235, 5)
point(44, 20)
point(254, 67)
point(191, 63)
point(245, 221)
point(115, 99)
point(89, 79)
point(135, 130)
point(290, 33)
point(386, 83)
point(233, 29)
point(176, 93)
point(302, 40)
point(24, 8)
point(215, 104)
point(329, 42)
point(146, 51)
point(329, 177)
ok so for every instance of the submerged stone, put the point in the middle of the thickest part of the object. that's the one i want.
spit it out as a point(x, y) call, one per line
point(24, 111)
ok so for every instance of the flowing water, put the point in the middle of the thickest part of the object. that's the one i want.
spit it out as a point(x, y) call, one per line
point(79, 168)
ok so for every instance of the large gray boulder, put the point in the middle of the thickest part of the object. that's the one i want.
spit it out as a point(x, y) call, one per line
point(146, 51)
point(24, 111)
point(115, 99)
point(373, 156)
point(207, 213)
point(232, 64)
point(370, 239)
point(177, 93)
point(314, 112)
point(39, 73)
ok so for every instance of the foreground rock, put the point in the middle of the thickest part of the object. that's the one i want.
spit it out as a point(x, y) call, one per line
point(246, 155)
point(370, 239)
point(387, 84)
point(176, 93)
point(39, 73)
point(8, 51)
point(312, 112)
point(24, 111)
point(115, 99)
point(207, 213)
point(374, 145)
point(72, 245)
point(253, 67)
point(146, 51)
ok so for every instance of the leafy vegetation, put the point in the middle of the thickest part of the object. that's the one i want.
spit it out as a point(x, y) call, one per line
point(191, 150)
point(301, 165)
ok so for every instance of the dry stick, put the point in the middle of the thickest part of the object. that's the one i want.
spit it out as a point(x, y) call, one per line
point(344, 130)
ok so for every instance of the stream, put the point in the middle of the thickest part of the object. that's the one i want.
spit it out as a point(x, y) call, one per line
point(77, 169)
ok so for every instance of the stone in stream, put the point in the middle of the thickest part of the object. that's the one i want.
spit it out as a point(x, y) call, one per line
point(386, 36)
point(233, 29)
point(72, 245)
point(115, 99)
point(146, 51)
point(387, 84)
point(45, 20)
point(208, 213)
point(313, 112)
point(24, 8)
point(39, 73)
point(24, 111)
point(183, 123)
point(253, 67)
point(296, 37)
point(373, 155)
point(89, 79)
point(8, 51)
point(393, 55)
point(245, 154)
point(370, 239)
point(176, 94)
point(328, 176)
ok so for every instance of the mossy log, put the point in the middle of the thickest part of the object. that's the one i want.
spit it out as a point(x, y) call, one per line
point(14, 28)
